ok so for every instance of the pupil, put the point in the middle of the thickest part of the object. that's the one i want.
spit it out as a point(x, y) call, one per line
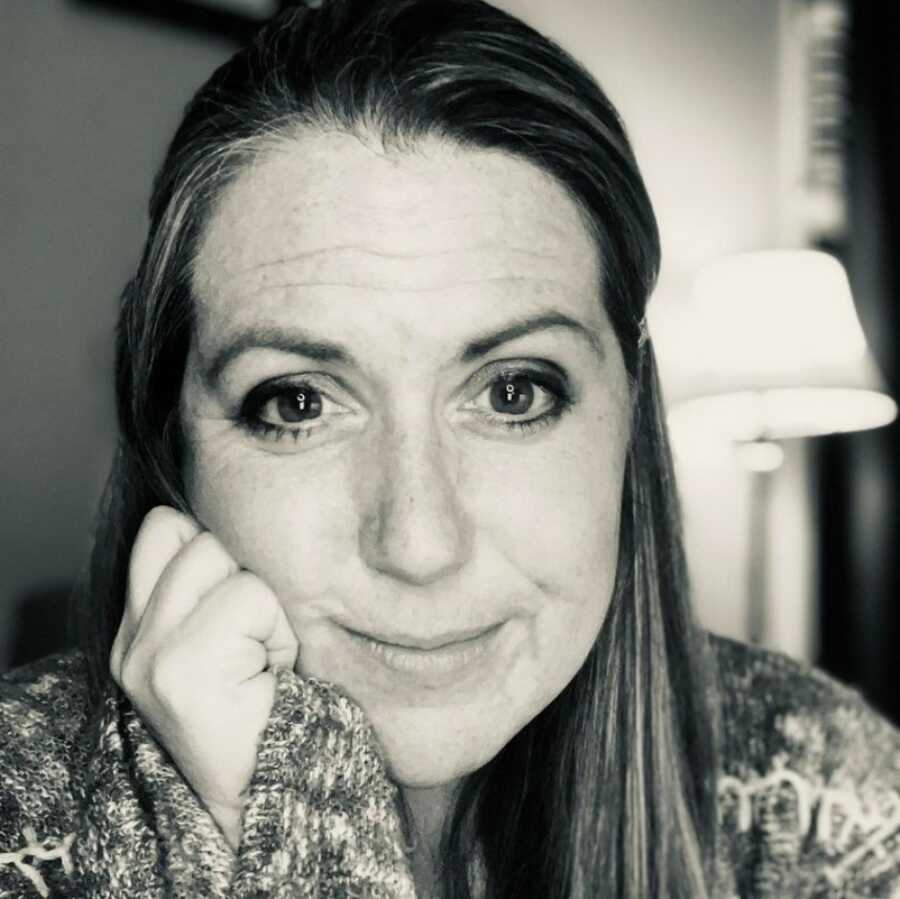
point(512, 394)
point(299, 405)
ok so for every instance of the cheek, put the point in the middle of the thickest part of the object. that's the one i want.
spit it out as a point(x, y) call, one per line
point(560, 526)
point(288, 523)
point(558, 516)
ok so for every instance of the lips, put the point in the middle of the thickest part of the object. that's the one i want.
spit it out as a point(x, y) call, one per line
point(450, 660)
point(424, 643)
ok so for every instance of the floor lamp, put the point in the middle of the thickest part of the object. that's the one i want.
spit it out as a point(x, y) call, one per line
point(776, 351)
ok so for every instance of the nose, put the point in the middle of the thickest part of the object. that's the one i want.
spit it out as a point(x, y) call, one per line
point(414, 528)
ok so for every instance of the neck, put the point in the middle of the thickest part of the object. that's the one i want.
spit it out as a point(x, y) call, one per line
point(429, 808)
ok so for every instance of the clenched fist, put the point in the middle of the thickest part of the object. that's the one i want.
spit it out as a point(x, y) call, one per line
point(195, 654)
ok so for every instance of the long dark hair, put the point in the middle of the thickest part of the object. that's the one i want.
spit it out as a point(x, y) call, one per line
point(611, 789)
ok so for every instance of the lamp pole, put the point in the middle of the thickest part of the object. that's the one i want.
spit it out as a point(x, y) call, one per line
point(758, 562)
point(760, 458)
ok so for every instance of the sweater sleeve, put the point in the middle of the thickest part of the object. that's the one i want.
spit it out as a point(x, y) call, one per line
point(321, 816)
point(98, 808)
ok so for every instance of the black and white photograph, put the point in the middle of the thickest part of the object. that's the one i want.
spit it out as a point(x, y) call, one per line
point(449, 449)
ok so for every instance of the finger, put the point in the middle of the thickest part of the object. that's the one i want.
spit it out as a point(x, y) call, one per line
point(163, 532)
point(197, 568)
point(244, 609)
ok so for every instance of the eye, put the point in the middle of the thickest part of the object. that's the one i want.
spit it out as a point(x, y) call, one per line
point(514, 393)
point(279, 409)
point(297, 405)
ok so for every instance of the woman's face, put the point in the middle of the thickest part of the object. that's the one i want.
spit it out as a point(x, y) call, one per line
point(407, 412)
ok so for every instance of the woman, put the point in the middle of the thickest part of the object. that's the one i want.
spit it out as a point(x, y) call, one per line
point(388, 595)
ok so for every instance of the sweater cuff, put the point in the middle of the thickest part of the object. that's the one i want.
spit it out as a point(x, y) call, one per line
point(320, 818)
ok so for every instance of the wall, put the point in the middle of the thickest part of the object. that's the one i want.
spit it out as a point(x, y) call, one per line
point(88, 100)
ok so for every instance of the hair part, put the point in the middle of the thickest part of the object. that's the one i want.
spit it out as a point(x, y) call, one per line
point(611, 788)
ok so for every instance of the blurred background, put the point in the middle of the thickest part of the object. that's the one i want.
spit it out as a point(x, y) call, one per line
point(760, 126)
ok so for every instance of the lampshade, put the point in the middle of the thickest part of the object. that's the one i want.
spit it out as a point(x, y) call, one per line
point(771, 347)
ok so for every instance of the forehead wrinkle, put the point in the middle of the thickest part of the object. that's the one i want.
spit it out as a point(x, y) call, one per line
point(381, 254)
point(496, 235)
point(354, 249)
point(263, 288)
point(357, 265)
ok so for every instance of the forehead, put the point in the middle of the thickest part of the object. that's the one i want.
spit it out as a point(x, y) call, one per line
point(331, 219)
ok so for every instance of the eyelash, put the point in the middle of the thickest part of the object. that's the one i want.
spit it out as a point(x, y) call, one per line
point(249, 416)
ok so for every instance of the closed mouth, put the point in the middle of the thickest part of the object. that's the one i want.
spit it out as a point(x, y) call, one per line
point(426, 644)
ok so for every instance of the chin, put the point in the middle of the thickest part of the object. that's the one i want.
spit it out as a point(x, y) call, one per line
point(412, 769)
point(424, 755)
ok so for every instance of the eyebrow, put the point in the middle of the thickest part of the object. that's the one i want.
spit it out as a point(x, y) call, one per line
point(301, 343)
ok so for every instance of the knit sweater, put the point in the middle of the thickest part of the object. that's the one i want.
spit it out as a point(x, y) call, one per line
point(91, 805)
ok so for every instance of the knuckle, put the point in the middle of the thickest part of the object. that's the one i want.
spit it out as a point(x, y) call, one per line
point(207, 541)
point(160, 520)
point(251, 583)
point(159, 517)
point(160, 512)
point(209, 545)
point(250, 590)
point(241, 596)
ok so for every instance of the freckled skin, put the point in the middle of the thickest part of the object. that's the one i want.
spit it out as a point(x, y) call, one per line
point(409, 511)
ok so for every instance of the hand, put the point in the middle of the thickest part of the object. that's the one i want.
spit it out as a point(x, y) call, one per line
point(194, 653)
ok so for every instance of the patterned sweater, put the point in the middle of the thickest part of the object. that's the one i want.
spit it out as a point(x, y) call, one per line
point(90, 805)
